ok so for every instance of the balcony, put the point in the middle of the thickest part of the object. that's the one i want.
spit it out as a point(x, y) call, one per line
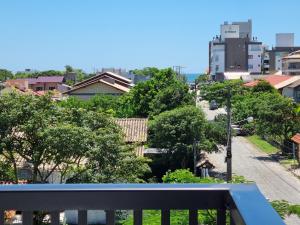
point(244, 202)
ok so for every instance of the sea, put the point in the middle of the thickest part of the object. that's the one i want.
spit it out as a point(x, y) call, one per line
point(191, 77)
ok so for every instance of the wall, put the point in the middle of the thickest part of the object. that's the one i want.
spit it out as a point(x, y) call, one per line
point(229, 31)
point(97, 88)
point(255, 58)
point(245, 29)
point(288, 92)
point(217, 59)
point(44, 86)
point(285, 40)
point(236, 55)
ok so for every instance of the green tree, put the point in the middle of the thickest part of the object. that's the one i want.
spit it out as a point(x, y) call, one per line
point(151, 97)
point(219, 90)
point(69, 69)
point(104, 103)
point(5, 75)
point(202, 78)
point(73, 141)
point(177, 94)
point(177, 130)
point(148, 71)
point(263, 86)
point(275, 116)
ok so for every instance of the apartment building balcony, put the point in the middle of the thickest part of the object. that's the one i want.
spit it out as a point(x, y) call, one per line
point(243, 202)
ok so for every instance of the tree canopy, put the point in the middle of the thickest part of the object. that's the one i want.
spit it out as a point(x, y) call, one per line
point(5, 75)
point(85, 146)
point(164, 91)
point(178, 131)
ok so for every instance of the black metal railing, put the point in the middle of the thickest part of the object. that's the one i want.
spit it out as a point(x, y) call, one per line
point(244, 202)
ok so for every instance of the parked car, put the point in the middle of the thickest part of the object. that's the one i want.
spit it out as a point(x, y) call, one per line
point(213, 105)
point(238, 131)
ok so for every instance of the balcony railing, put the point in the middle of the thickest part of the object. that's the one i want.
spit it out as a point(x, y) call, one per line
point(244, 202)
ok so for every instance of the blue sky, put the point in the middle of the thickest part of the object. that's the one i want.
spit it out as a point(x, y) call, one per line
point(91, 34)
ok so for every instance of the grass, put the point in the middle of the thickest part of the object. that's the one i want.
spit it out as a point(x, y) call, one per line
point(288, 162)
point(262, 144)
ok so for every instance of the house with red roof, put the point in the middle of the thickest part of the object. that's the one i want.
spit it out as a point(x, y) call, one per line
point(37, 86)
point(288, 86)
point(296, 140)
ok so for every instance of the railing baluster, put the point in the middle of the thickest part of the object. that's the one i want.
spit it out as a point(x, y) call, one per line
point(110, 217)
point(221, 217)
point(82, 217)
point(193, 217)
point(54, 218)
point(27, 217)
point(137, 217)
point(165, 217)
point(1, 217)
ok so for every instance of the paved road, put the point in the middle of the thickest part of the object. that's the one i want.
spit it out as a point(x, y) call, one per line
point(273, 180)
point(210, 114)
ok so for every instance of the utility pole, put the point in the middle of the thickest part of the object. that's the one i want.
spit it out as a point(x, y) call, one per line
point(195, 156)
point(229, 138)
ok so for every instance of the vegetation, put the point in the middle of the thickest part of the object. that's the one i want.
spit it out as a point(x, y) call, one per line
point(5, 75)
point(99, 103)
point(284, 208)
point(262, 144)
point(164, 91)
point(179, 217)
point(202, 78)
point(85, 146)
point(178, 131)
point(219, 91)
point(263, 103)
point(148, 71)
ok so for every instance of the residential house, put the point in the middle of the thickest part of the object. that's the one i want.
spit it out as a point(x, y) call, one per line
point(103, 83)
point(288, 86)
point(42, 83)
point(296, 140)
point(45, 83)
point(37, 86)
point(291, 64)
point(135, 130)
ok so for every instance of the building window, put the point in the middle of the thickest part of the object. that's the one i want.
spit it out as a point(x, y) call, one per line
point(258, 65)
point(51, 88)
point(217, 68)
point(250, 66)
point(250, 56)
point(39, 88)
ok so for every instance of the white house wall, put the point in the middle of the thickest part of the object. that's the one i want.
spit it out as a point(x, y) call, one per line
point(217, 59)
point(255, 61)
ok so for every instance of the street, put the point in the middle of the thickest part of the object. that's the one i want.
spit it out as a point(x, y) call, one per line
point(273, 180)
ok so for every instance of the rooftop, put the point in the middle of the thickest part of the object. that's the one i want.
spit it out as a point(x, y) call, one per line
point(275, 80)
point(296, 138)
point(135, 129)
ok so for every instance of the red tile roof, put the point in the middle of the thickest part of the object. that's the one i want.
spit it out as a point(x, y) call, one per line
point(296, 138)
point(272, 79)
